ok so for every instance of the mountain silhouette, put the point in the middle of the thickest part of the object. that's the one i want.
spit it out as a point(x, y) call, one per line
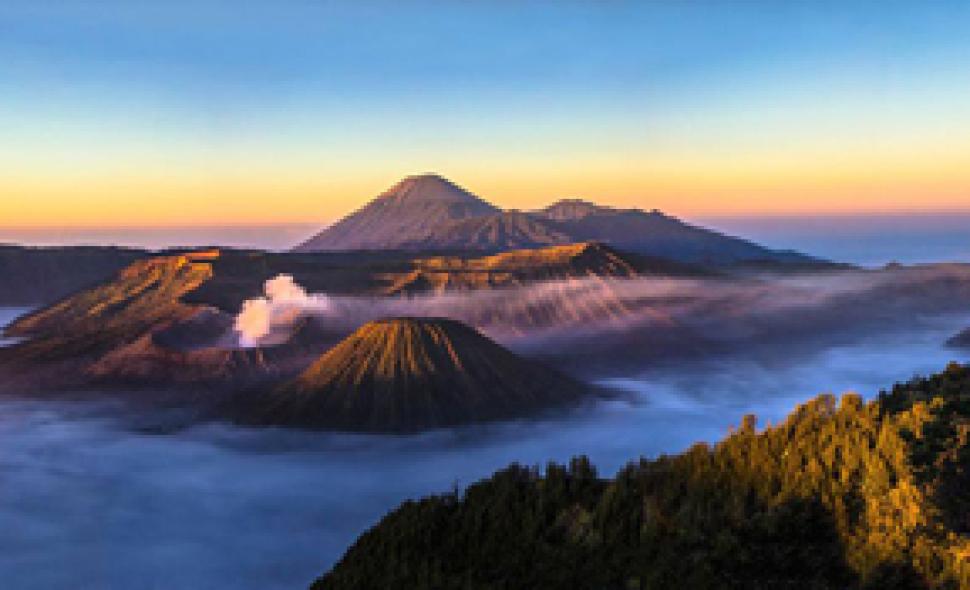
point(430, 213)
point(409, 211)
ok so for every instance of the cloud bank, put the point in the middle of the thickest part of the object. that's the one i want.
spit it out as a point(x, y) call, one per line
point(577, 308)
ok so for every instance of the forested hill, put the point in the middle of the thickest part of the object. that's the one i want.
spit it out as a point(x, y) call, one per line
point(843, 494)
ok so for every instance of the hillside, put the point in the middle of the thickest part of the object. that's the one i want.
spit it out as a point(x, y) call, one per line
point(410, 374)
point(520, 267)
point(841, 495)
point(143, 295)
point(112, 331)
point(430, 213)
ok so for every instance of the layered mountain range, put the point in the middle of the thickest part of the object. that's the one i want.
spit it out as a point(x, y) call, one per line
point(428, 212)
point(537, 281)
point(169, 317)
point(166, 322)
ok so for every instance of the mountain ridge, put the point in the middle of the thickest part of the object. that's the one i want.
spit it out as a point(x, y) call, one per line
point(429, 212)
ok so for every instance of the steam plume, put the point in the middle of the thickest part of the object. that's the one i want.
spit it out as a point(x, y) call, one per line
point(284, 302)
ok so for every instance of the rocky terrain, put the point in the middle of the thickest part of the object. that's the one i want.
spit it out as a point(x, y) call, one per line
point(167, 321)
point(409, 374)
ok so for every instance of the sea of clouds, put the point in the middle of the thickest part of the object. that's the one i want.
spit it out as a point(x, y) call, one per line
point(89, 501)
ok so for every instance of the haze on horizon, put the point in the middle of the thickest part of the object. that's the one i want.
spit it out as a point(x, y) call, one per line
point(216, 113)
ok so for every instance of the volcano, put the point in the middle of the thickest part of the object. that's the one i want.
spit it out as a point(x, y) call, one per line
point(409, 374)
point(428, 213)
point(408, 212)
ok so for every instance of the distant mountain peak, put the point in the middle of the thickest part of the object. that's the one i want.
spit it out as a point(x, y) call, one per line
point(428, 187)
point(410, 210)
point(429, 212)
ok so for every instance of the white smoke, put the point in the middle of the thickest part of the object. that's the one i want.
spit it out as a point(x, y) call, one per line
point(265, 319)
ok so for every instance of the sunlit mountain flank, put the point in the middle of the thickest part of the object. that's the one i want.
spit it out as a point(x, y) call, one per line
point(484, 295)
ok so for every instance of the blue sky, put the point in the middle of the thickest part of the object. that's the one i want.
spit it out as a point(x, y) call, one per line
point(669, 103)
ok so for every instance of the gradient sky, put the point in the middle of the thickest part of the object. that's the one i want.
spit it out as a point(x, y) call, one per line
point(171, 112)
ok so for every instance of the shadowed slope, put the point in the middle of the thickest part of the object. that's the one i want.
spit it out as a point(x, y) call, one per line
point(410, 374)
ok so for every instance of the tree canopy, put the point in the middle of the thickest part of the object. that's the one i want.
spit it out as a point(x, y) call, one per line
point(842, 494)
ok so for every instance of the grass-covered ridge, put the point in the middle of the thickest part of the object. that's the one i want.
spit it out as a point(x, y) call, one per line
point(843, 494)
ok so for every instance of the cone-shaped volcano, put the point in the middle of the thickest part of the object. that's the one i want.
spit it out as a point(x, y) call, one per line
point(407, 374)
point(407, 212)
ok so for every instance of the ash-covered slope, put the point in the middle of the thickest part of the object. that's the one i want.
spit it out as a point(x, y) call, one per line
point(408, 212)
point(408, 374)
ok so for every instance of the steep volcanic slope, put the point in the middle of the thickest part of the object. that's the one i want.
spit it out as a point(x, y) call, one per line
point(432, 214)
point(408, 212)
point(657, 234)
point(144, 294)
point(411, 374)
point(136, 328)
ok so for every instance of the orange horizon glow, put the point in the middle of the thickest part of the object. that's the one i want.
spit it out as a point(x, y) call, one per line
point(159, 202)
point(137, 117)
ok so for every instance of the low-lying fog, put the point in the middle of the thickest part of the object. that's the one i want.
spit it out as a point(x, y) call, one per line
point(87, 501)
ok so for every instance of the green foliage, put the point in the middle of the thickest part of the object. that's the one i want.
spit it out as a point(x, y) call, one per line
point(843, 494)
